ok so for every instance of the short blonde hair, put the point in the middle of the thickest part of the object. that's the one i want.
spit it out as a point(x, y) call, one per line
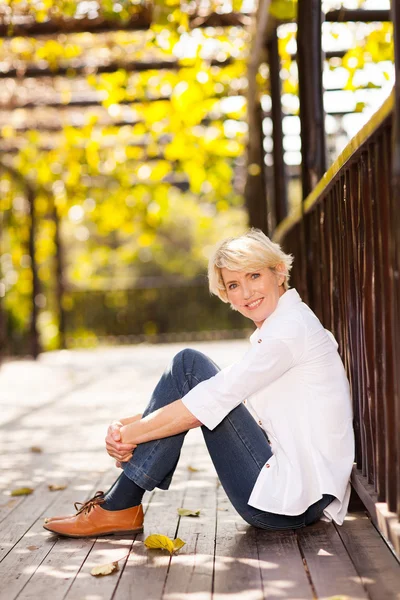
point(248, 252)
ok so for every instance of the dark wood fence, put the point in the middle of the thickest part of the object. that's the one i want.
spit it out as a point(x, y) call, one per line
point(346, 243)
point(342, 249)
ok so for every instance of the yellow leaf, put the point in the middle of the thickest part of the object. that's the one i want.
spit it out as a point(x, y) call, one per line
point(164, 542)
point(33, 548)
point(55, 487)
point(102, 570)
point(193, 469)
point(36, 449)
point(178, 544)
point(24, 491)
point(185, 512)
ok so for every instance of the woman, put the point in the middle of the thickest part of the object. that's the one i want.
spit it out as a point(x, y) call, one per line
point(277, 424)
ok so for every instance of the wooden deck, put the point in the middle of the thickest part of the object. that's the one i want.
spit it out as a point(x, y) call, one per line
point(62, 405)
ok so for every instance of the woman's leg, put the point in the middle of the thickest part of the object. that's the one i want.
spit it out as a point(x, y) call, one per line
point(153, 463)
point(239, 450)
point(238, 446)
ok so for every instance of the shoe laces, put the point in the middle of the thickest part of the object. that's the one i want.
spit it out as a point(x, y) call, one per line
point(86, 507)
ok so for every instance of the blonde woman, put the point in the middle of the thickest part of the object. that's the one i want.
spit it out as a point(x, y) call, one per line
point(277, 424)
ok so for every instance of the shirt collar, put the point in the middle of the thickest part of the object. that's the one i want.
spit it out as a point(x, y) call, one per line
point(286, 301)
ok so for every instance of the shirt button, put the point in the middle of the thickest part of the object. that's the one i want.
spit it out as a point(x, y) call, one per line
point(260, 422)
point(259, 341)
point(267, 466)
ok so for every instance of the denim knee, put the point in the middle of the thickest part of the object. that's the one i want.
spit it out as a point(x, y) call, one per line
point(184, 355)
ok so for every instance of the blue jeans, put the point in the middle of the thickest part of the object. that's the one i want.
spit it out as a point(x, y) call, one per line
point(238, 448)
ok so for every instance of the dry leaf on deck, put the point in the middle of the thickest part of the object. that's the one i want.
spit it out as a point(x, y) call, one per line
point(164, 542)
point(192, 469)
point(36, 449)
point(56, 487)
point(33, 547)
point(24, 491)
point(185, 512)
point(102, 570)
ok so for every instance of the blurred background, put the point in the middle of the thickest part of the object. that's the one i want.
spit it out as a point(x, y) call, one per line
point(123, 157)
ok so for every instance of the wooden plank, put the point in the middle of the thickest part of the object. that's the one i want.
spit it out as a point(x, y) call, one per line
point(58, 569)
point(385, 521)
point(20, 520)
point(331, 571)
point(374, 562)
point(191, 570)
point(237, 567)
point(22, 561)
point(103, 551)
point(146, 570)
point(281, 566)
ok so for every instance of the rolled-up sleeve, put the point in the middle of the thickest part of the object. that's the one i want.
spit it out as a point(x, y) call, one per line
point(211, 400)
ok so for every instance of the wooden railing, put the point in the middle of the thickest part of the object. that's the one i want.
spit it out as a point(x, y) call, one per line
point(345, 238)
point(342, 243)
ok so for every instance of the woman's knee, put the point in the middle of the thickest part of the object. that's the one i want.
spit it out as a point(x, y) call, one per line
point(191, 360)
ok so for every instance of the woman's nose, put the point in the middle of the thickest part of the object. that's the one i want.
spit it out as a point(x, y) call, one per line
point(247, 292)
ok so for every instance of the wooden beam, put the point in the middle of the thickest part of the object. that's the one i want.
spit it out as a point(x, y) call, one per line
point(230, 19)
point(255, 191)
point(312, 121)
point(142, 20)
point(395, 259)
point(28, 27)
point(96, 99)
point(280, 191)
point(312, 117)
point(385, 521)
point(85, 69)
point(344, 15)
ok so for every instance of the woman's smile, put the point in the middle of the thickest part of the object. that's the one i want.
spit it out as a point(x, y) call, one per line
point(254, 304)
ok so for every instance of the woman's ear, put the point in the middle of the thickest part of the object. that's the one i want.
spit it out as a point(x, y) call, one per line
point(280, 270)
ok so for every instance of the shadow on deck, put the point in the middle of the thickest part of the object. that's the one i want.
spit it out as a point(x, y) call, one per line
point(61, 406)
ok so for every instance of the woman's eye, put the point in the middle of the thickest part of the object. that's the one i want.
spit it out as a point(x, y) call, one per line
point(255, 275)
point(232, 286)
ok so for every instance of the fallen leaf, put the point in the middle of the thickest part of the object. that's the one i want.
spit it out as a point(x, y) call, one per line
point(185, 512)
point(36, 449)
point(33, 547)
point(24, 491)
point(103, 570)
point(178, 544)
point(193, 469)
point(56, 487)
point(164, 542)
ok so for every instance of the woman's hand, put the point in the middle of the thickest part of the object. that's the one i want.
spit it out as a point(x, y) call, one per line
point(115, 448)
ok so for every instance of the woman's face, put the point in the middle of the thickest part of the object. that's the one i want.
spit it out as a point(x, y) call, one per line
point(255, 295)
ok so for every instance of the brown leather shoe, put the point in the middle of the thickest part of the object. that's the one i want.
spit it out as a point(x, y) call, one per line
point(79, 506)
point(93, 521)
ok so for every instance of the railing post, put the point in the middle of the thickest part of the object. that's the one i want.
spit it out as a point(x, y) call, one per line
point(255, 191)
point(312, 122)
point(309, 57)
point(280, 189)
point(395, 249)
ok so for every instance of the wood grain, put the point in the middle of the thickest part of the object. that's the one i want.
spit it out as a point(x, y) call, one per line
point(331, 570)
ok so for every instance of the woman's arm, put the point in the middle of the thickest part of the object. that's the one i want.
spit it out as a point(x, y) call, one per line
point(164, 422)
point(129, 420)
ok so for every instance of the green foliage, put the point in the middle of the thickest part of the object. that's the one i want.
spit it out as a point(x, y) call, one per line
point(134, 200)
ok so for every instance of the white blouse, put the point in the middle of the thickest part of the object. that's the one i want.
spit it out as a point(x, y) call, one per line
point(293, 382)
